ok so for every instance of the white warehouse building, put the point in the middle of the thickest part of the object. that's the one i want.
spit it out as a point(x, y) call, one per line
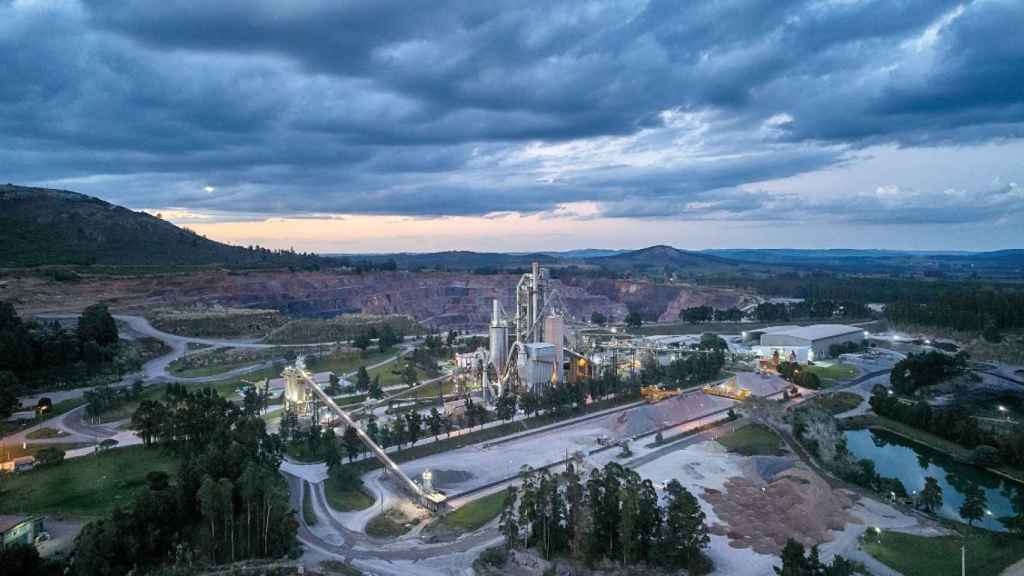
point(816, 339)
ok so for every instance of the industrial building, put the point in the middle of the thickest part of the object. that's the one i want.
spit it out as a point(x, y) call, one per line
point(803, 343)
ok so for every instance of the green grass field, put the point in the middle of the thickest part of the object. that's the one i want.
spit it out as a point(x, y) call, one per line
point(345, 499)
point(475, 514)
point(752, 440)
point(447, 387)
point(987, 552)
point(87, 486)
point(307, 505)
point(833, 372)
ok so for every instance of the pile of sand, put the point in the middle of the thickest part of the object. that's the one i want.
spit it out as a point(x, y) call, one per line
point(796, 504)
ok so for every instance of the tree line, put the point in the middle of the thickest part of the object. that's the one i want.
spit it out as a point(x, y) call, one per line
point(614, 514)
point(33, 353)
point(955, 424)
point(925, 369)
point(226, 502)
point(989, 312)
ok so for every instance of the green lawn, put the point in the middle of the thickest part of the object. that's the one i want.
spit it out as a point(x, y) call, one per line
point(87, 486)
point(345, 499)
point(838, 402)
point(834, 372)
point(307, 505)
point(390, 524)
point(475, 514)
point(752, 440)
point(987, 552)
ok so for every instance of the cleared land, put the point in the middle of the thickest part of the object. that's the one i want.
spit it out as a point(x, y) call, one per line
point(87, 486)
point(987, 552)
point(752, 440)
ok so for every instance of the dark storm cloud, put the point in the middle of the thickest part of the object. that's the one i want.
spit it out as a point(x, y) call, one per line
point(425, 108)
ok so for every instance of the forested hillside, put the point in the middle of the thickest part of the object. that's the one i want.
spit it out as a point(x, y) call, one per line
point(40, 226)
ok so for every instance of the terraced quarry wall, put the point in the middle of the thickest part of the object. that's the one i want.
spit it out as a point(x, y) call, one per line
point(439, 300)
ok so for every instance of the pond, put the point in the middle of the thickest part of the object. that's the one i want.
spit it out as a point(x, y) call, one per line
point(910, 463)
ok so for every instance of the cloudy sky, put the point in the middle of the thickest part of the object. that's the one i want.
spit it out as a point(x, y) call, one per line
point(379, 126)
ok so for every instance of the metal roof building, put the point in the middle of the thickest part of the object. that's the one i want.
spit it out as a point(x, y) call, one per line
point(817, 337)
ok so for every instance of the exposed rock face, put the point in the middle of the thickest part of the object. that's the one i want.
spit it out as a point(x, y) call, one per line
point(441, 300)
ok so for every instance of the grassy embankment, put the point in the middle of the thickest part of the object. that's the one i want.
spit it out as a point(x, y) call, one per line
point(752, 440)
point(88, 486)
point(345, 498)
point(473, 515)
point(949, 447)
point(987, 552)
point(837, 403)
point(307, 505)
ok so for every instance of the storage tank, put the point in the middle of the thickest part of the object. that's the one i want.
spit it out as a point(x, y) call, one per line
point(554, 334)
point(498, 334)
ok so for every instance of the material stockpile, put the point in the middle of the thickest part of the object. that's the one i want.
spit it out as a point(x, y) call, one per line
point(762, 516)
point(649, 417)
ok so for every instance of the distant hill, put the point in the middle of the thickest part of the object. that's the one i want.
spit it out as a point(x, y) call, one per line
point(662, 257)
point(460, 260)
point(40, 226)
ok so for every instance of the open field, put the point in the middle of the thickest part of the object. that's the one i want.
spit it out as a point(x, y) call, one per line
point(833, 372)
point(86, 486)
point(752, 440)
point(987, 552)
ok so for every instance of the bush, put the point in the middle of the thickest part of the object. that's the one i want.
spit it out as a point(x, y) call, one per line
point(495, 557)
point(700, 564)
point(985, 456)
point(49, 456)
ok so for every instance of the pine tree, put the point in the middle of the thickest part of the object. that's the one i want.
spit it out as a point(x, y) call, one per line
point(685, 534)
point(931, 495)
point(509, 522)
